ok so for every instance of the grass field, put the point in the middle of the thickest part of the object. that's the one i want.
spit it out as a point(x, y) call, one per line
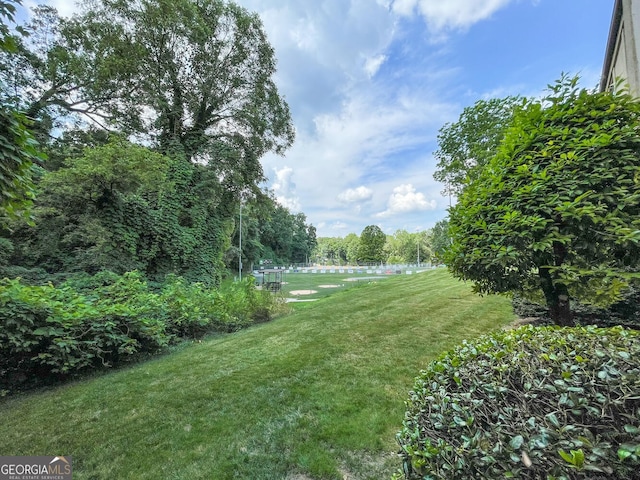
point(313, 395)
point(324, 284)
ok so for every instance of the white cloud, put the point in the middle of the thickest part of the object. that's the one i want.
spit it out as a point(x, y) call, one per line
point(450, 14)
point(373, 64)
point(284, 189)
point(354, 195)
point(405, 199)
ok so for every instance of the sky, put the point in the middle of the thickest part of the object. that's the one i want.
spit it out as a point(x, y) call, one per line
point(370, 83)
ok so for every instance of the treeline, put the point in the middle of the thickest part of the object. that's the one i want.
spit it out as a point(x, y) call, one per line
point(374, 246)
point(153, 118)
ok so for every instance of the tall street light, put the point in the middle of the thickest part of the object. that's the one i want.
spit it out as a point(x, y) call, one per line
point(240, 244)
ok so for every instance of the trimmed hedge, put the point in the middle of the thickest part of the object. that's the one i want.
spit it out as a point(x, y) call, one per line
point(531, 403)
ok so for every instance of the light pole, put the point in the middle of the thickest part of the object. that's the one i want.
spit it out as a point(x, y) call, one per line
point(240, 245)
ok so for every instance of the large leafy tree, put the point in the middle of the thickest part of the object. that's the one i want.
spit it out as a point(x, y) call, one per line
point(557, 209)
point(468, 144)
point(192, 76)
point(371, 248)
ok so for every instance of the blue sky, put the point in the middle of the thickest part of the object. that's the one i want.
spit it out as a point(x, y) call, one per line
point(370, 83)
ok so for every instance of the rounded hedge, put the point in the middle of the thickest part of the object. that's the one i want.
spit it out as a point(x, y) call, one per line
point(531, 403)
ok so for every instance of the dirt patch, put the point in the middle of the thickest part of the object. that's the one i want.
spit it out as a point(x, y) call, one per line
point(357, 279)
point(328, 286)
point(535, 321)
point(302, 292)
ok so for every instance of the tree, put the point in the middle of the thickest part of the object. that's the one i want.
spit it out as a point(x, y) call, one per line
point(18, 149)
point(351, 244)
point(192, 76)
point(557, 209)
point(467, 145)
point(440, 239)
point(372, 241)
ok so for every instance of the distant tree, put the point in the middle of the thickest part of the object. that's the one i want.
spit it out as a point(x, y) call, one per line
point(371, 248)
point(440, 239)
point(467, 145)
point(405, 247)
point(351, 244)
point(557, 209)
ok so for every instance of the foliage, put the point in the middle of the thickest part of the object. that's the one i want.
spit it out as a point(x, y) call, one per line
point(625, 312)
point(557, 208)
point(8, 42)
point(405, 247)
point(467, 145)
point(440, 239)
point(123, 207)
point(95, 322)
point(48, 331)
point(18, 149)
point(529, 403)
point(191, 76)
point(371, 248)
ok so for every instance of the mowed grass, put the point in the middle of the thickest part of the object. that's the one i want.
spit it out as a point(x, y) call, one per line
point(321, 285)
point(313, 395)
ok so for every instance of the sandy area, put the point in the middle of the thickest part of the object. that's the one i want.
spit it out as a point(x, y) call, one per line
point(328, 286)
point(302, 292)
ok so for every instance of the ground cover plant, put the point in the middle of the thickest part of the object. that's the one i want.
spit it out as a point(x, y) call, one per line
point(314, 395)
point(532, 403)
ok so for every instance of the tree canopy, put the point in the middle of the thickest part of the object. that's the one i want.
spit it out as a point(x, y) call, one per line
point(557, 209)
point(19, 150)
point(371, 248)
point(468, 144)
point(191, 75)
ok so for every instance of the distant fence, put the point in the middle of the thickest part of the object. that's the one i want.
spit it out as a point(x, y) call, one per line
point(378, 270)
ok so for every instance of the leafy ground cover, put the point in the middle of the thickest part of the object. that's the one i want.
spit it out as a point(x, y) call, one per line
point(316, 394)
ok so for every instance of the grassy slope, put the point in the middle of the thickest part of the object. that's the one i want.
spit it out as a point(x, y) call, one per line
point(318, 393)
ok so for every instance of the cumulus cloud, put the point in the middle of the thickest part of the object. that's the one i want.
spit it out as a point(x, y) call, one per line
point(284, 189)
point(449, 15)
point(405, 199)
point(354, 195)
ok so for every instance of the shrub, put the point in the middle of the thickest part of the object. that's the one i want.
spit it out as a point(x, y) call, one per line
point(48, 333)
point(531, 403)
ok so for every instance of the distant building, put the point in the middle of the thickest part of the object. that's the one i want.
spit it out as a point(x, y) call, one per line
point(623, 47)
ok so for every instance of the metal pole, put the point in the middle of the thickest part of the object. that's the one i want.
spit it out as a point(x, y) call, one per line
point(240, 252)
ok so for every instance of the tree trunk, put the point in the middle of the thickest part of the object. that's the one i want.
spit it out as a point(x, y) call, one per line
point(557, 297)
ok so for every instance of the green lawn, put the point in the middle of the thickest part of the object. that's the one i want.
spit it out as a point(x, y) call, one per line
point(316, 394)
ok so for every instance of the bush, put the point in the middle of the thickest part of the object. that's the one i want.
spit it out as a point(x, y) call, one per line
point(92, 322)
point(531, 403)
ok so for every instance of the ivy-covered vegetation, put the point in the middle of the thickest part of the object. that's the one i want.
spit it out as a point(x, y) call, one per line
point(532, 403)
point(50, 333)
